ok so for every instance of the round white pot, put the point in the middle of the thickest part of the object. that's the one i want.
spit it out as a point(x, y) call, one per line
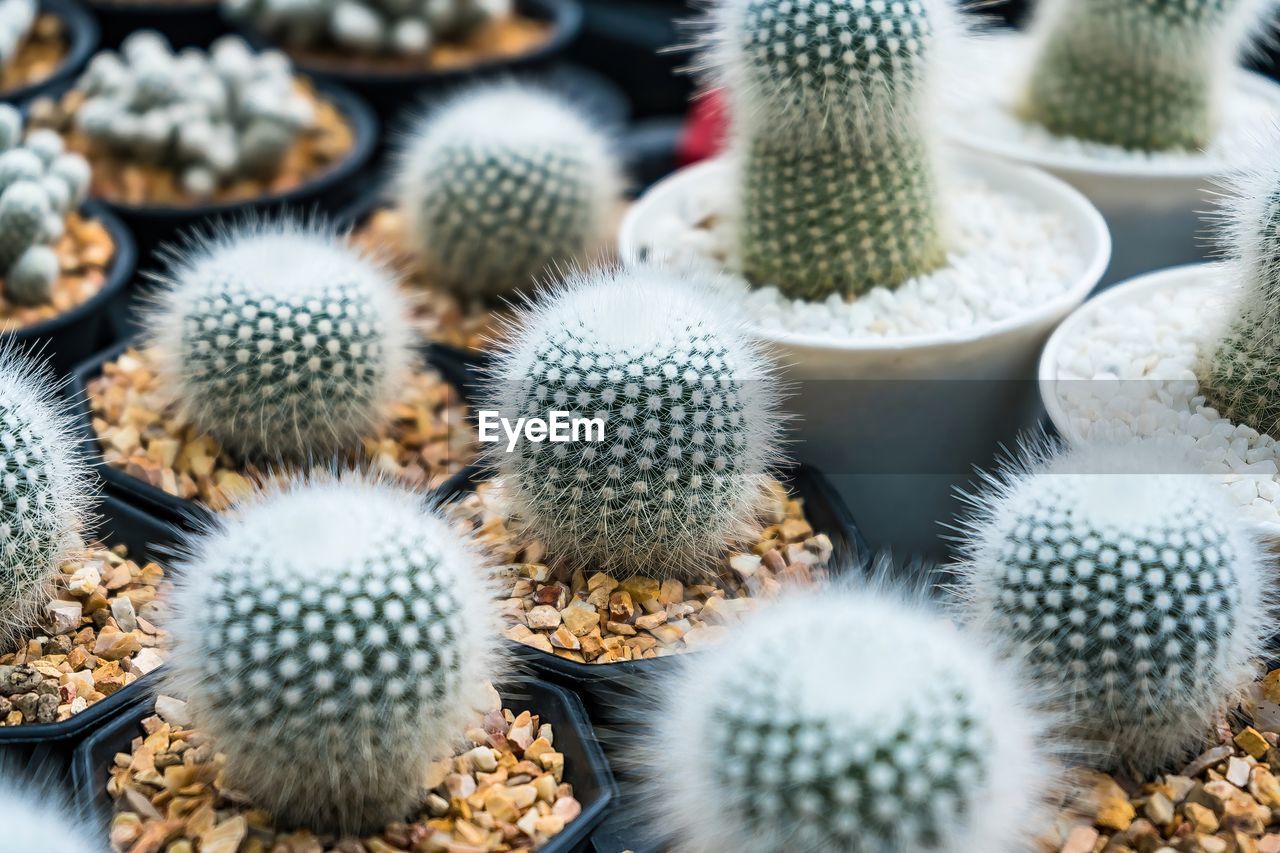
point(897, 423)
point(1154, 207)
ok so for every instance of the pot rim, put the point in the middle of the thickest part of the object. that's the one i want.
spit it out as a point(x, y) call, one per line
point(83, 37)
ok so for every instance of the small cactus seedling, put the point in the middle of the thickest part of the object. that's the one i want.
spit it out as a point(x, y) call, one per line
point(503, 184)
point(1129, 583)
point(690, 421)
point(839, 191)
point(36, 819)
point(1147, 75)
point(17, 17)
point(334, 640)
point(281, 340)
point(842, 720)
point(43, 492)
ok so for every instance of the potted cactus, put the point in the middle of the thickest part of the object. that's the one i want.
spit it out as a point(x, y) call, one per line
point(1187, 354)
point(349, 614)
point(181, 138)
point(317, 362)
point(37, 816)
point(911, 283)
point(43, 44)
point(493, 192)
point(1140, 106)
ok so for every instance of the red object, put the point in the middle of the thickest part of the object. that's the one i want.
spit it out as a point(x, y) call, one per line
point(705, 129)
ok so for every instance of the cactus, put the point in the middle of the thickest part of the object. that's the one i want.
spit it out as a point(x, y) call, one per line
point(36, 816)
point(501, 185)
point(838, 188)
point(846, 720)
point(17, 17)
point(1146, 75)
point(690, 421)
point(1126, 581)
point(333, 639)
point(44, 491)
point(210, 118)
point(281, 340)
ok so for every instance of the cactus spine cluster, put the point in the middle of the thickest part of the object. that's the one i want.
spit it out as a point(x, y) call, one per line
point(43, 492)
point(282, 340)
point(368, 27)
point(1127, 582)
point(844, 720)
point(17, 17)
point(690, 421)
point(40, 184)
point(838, 189)
point(210, 118)
point(333, 639)
point(503, 184)
point(1146, 75)
point(35, 818)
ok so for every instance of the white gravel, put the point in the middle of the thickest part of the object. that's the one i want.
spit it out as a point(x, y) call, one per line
point(1138, 357)
point(1010, 257)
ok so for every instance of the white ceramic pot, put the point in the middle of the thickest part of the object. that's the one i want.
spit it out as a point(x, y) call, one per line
point(897, 423)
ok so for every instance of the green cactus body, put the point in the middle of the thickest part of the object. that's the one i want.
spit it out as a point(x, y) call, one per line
point(839, 192)
point(24, 207)
point(31, 278)
point(1140, 74)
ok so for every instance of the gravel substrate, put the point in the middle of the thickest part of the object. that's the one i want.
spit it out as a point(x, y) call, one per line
point(1010, 257)
point(593, 617)
point(505, 793)
point(1130, 372)
point(38, 56)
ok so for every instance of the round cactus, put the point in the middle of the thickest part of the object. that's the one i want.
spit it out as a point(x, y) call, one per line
point(1142, 74)
point(30, 279)
point(35, 816)
point(44, 491)
point(1126, 582)
point(333, 639)
point(838, 189)
point(690, 421)
point(843, 720)
point(503, 184)
point(282, 340)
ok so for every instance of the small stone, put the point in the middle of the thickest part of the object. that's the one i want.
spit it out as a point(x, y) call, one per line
point(122, 610)
point(543, 617)
point(563, 638)
point(64, 616)
point(1201, 817)
point(1158, 809)
point(483, 759)
point(1252, 742)
point(1206, 760)
point(1237, 771)
point(580, 618)
point(1081, 840)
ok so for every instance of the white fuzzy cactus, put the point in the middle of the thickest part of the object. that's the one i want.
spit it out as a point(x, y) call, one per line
point(1128, 582)
point(36, 817)
point(17, 17)
point(282, 340)
point(690, 412)
point(44, 491)
point(504, 184)
point(334, 639)
point(843, 720)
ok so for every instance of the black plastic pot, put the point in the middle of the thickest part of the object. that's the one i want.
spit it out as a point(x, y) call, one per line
point(51, 744)
point(585, 766)
point(189, 514)
point(193, 24)
point(75, 335)
point(82, 36)
point(632, 42)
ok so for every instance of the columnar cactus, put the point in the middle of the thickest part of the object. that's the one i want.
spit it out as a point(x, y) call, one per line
point(506, 166)
point(210, 118)
point(333, 639)
point(689, 411)
point(36, 818)
point(841, 720)
point(282, 340)
point(1128, 584)
point(17, 17)
point(1142, 74)
point(839, 191)
point(44, 492)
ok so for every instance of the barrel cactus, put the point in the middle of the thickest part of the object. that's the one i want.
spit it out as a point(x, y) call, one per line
point(334, 639)
point(281, 340)
point(44, 491)
point(838, 187)
point(690, 420)
point(843, 720)
point(1132, 586)
point(1146, 75)
point(503, 184)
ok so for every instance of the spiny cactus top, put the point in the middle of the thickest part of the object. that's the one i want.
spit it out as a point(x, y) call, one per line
point(210, 117)
point(504, 184)
point(35, 819)
point(1142, 74)
point(44, 491)
point(1129, 583)
point(282, 340)
point(829, 100)
point(689, 411)
point(839, 720)
point(334, 639)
